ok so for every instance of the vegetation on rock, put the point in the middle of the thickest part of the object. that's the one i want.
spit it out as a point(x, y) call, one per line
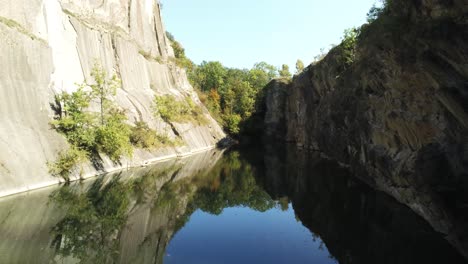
point(67, 161)
point(299, 66)
point(105, 131)
point(146, 138)
point(284, 72)
point(172, 110)
point(229, 94)
point(348, 46)
point(377, 10)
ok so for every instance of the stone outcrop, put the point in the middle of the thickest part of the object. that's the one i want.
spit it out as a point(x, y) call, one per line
point(398, 115)
point(49, 46)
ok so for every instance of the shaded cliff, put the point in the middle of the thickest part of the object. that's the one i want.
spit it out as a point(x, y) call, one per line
point(397, 115)
point(50, 45)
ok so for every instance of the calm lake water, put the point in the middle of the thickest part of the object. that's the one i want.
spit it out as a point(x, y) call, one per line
point(282, 206)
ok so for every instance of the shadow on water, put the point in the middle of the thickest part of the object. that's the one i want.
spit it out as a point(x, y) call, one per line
point(132, 217)
point(357, 223)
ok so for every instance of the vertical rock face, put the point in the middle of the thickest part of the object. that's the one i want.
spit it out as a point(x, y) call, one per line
point(50, 45)
point(275, 103)
point(398, 116)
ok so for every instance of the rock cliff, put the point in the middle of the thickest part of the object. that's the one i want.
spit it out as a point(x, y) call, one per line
point(398, 115)
point(49, 46)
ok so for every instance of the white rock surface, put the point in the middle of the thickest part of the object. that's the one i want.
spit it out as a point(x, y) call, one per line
point(49, 46)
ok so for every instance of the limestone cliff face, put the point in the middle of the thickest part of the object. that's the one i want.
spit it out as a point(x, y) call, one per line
point(398, 116)
point(50, 45)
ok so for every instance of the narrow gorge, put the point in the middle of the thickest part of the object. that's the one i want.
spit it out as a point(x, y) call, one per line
point(116, 147)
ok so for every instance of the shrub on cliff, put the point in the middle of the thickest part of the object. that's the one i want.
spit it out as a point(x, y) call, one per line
point(104, 131)
point(172, 110)
point(284, 72)
point(91, 132)
point(113, 136)
point(67, 162)
point(348, 46)
point(377, 10)
point(299, 66)
point(144, 137)
point(179, 52)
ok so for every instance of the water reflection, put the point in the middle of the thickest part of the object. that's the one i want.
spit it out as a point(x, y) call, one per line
point(270, 204)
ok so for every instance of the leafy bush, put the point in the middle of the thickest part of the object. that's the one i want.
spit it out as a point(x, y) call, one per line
point(113, 138)
point(229, 91)
point(87, 132)
point(144, 137)
point(348, 46)
point(284, 72)
point(377, 10)
point(172, 110)
point(67, 162)
point(179, 52)
point(231, 123)
point(299, 66)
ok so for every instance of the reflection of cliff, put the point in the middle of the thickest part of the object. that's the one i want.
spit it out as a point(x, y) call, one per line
point(125, 218)
point(358, 224)
point(131, 217)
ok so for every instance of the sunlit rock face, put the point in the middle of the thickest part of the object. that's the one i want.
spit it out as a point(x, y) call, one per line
point(49, 46)
point(398, 115)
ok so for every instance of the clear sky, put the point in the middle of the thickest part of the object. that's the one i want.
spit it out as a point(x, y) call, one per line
point(242, 32)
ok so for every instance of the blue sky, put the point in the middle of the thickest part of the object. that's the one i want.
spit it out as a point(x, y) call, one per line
point(242, 32)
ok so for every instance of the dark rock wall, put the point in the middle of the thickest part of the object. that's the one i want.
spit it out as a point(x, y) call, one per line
point(398, 115)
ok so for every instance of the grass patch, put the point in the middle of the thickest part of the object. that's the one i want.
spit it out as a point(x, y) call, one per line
point(17, 26)
point(148, 56)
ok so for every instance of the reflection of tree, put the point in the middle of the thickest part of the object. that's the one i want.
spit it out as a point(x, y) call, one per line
point(90, 230)
point(235, 184)
point(95, 221)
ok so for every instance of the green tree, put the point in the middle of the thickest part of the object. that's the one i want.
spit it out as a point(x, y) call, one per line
point(284, 72)
point(261, 74)
point(90, 133)
point(103, 88)
point(348, 45)
point(179, 53)
point(209, 75)
point(299, 66)
point(377, 10)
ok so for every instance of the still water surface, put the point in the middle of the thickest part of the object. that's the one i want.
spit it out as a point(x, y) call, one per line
point(232, 207)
